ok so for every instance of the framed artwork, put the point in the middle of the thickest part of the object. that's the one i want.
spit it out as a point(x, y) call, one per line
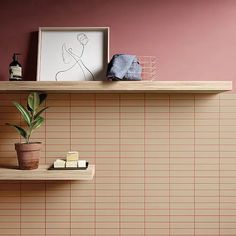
point(72, 53)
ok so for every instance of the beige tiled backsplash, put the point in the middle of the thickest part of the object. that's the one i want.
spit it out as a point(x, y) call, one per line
point(165, 165)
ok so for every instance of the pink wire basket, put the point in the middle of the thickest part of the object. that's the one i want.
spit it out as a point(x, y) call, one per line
point(149, 67)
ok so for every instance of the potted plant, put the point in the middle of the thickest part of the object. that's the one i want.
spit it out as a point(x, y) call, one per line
point(28, 153)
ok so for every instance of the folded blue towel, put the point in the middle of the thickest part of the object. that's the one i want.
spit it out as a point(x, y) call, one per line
point(124, 67)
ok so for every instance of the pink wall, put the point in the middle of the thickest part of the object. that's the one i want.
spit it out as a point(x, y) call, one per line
point(193, 40)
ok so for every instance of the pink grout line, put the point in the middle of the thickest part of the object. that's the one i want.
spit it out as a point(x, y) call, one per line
point(45, 182)
point(95, 151)
point(194, 174)
point(114, 221)
point(119, 166)
point(169, 143)
point(45, 162)
point(219, 167)
point(144, 154)
point(70, 150)
point(20, 181)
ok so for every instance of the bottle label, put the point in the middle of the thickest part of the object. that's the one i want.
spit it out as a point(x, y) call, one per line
point(15, 71)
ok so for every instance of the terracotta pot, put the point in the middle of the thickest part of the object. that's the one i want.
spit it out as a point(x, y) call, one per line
point(28, 155)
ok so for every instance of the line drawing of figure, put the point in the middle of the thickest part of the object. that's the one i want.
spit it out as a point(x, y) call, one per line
point(68, 55)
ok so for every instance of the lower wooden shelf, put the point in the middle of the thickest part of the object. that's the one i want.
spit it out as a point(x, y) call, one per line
point(43, 173)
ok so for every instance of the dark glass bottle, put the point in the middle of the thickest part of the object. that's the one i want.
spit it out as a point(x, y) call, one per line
point(15, 68)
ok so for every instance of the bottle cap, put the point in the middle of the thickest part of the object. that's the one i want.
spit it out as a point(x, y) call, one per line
point(15, 56)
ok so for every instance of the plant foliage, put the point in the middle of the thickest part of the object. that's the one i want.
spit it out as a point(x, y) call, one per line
point(31, 114)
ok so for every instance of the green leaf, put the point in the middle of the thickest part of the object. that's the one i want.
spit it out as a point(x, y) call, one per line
point(40, 112)
point(33, 101)
point(20, 130)
point(28, 108)
point(25, 114)
point(42, 97)
point(37, 123)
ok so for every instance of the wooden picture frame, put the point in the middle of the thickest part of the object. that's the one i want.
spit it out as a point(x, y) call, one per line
point(72, 53)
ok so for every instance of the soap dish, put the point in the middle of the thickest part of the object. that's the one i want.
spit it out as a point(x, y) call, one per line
point(69, 168)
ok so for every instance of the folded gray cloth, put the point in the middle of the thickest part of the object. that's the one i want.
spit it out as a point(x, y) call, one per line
point(124, 67)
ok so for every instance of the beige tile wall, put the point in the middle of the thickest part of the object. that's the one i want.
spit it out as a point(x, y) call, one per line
point(165, 165)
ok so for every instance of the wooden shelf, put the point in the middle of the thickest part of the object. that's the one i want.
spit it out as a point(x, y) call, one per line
point(118, 86)
point(42, 173)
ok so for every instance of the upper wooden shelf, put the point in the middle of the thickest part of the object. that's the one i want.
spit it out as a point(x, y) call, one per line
point(118, 86)
point(42, 173)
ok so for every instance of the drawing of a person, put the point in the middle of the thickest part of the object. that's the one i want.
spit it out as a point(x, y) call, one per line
point(78, 69)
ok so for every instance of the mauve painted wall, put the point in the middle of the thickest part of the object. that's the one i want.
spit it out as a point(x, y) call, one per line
point(193, 40)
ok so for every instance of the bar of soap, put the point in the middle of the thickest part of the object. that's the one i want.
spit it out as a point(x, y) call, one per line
point(82, 163)
point(72, 156)
point(71, 164)
point(59, 163)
